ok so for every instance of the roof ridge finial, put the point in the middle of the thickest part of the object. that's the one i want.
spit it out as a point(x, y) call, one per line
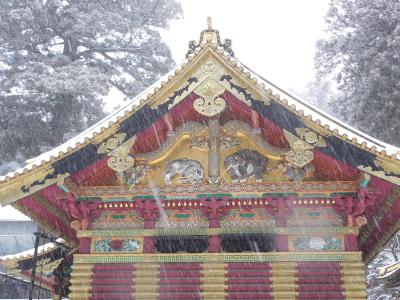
point(212, 36)
point(209, 24)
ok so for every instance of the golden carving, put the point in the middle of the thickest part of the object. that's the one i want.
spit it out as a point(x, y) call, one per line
point(240, 129)
point(119, 159)
point(311, 137)
point(181, 133)
point(209, 104)
point(112, 143)
point(76, 225)
point(28, 184)
point(389, 166)
point(209, 107)
point(46, 266)
point(209, 67)
point(300, 155)
point(201, 142)
point(380, 174)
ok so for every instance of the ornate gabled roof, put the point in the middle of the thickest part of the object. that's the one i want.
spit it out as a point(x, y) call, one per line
point(380, 159)
point(209, 71)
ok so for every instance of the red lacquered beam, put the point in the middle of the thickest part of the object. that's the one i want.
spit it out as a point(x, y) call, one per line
point(245, 281)
point(318, 288)
point(111, 296)
point(173, 266)
point(115, 267)
point(248, 266)
point(318, 280)
point(248, 288)
point(179, 296)
point(250, 295)
point(246, 273)
point(302, 273)
point(321, 296)
point(318, 265)
point(179, 289)
point(111, 281)
point(181, 273)
point(172, 281)
point(113, 274)
point(112, 288)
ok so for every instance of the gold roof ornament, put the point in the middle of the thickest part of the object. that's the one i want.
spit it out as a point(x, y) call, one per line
point(210, 35)
point(209, 104)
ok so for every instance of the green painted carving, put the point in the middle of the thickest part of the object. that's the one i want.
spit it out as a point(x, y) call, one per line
point(327, 243)
point(115, 245)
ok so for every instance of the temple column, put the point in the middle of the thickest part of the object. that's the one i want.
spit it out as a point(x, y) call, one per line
point(148, 210)
point(214, 242)
point(84, 245)
point(213, 209)
point(255, 122)
point(281, 209)
point(213, 153)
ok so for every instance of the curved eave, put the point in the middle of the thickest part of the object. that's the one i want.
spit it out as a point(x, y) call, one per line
point(343, 142)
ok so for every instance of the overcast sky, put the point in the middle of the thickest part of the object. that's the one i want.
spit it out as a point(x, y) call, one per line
point(275, 38)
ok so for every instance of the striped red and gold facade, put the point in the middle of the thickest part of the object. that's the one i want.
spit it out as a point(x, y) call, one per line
point(220, 276)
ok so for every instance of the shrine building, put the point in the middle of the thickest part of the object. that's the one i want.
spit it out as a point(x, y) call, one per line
point(213, 184)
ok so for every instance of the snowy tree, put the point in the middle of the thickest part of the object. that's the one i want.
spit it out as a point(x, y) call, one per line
point(362, 53)
point(318, 93)
point(375, 287)
point(59, 58)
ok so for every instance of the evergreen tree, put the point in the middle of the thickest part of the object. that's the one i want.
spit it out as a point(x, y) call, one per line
point(59, 58)
point(362, 53)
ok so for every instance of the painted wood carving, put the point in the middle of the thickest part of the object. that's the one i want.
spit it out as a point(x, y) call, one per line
point(245, 164)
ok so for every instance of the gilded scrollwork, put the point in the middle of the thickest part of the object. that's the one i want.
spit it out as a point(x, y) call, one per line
point(236, 127)
point(209, 67)
point(120, 159)
point(209, 104)
point(186, 129)
point(111, 143)
point(201, 142)
point(311, 137)
point(300, 155)
point(391, 167)
point(380, 174)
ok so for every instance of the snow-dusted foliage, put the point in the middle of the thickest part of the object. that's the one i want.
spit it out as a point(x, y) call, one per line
point(375, 287)
point(59, 58)
point(362, 52)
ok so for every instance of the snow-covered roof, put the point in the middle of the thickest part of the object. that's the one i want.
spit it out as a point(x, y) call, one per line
point(311, 113)
point(29, 253)
point(327, 121)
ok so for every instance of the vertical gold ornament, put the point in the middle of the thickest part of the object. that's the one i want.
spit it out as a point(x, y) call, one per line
point(209, 104)
point(119, 159)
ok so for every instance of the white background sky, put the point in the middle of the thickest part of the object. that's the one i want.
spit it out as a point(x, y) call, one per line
point(275, 38)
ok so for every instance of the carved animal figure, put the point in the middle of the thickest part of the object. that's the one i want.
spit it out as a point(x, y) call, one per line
point(245, 164)
point(138, 174)
point(296, 174)
point(188, 170)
